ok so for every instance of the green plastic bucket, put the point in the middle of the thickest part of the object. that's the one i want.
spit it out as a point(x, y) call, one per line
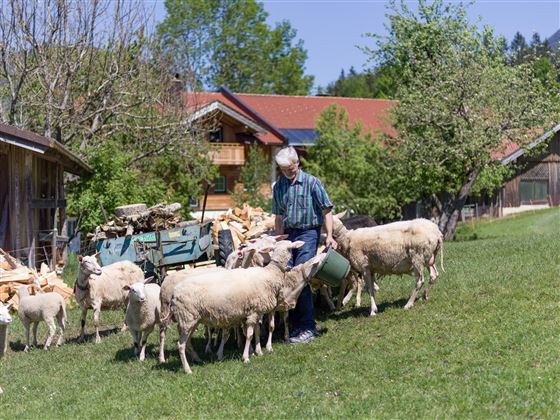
point(333, 269)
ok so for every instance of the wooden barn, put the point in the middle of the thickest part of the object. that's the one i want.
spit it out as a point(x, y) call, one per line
point(32, 200)
point(537, 184)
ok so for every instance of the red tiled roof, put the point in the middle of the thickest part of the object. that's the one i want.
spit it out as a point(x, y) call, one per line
point(302, 112)
point(197, 100)
point(506, 149)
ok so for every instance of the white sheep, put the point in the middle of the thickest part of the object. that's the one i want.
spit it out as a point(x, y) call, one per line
point(142, 313)
point(241, 298)
point(102, 288)
point(294, 281)
point(396, 248)
point(42, 307)
point(5, 317)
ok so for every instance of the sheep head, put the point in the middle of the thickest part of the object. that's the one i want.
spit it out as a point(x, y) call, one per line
point(282, 252)
point(89, 265)
point(136, 292)
point(5, 317)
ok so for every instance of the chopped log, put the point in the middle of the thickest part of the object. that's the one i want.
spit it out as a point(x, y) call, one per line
point(131, 209)
point(11, 260)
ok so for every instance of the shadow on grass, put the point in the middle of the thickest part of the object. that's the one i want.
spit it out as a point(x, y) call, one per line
point(91, 336)
point(362, 311)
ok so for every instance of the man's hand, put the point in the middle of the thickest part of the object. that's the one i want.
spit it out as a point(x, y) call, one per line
point(331, 242)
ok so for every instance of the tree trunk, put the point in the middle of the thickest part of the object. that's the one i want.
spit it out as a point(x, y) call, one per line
point(453, 206)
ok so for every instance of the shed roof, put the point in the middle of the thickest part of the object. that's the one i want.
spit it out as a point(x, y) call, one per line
point(45, 146)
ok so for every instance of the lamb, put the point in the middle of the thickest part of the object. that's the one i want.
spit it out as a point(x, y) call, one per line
point(5, 317)
point(102, 288)
point(42, 307)
point(396, 248)
point(242, 298)
point(142, 313)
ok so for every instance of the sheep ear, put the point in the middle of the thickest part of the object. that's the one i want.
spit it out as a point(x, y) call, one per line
point(341, 215)
point(80, 258)
point(281, 237)
point(297, 244)
point(126, 287)
point(96, 255)
point(149, 280)
point(266, 250)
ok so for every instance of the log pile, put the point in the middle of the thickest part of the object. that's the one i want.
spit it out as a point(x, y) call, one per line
point(14, 274)
point(244, 223)
point(138, 218)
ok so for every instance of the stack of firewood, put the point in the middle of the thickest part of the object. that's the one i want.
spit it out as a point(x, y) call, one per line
point(14, 274)
point(138, 218)
point(244, 223)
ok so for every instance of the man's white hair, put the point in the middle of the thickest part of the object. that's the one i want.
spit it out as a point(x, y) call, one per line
point(287, 156)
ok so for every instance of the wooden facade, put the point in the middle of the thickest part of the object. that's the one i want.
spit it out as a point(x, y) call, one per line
point(538, 182)
point(32, 199)
point(229, 144)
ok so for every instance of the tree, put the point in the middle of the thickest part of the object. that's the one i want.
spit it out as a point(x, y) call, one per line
point(85, 73)
point(228, 42)
point(458, 101)
point(359, 173)
point(518, 47)
point(379, 83)
point(253, 176)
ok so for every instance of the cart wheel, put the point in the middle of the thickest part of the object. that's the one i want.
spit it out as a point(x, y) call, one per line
point(225, 244)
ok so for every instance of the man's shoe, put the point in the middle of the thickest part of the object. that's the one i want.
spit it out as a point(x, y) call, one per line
point(303, 337)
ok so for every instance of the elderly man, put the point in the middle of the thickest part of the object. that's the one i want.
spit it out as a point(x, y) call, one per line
point(301, 206)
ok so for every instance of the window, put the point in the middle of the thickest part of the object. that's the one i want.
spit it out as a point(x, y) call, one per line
point(531, 191)
point(220, 184)
point(216, 136)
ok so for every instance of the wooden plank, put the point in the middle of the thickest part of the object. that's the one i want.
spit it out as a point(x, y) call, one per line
point(28, 179)
point(16, 213)
point(13, 263)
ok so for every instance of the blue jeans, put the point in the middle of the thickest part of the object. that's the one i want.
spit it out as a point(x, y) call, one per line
point(303, 315)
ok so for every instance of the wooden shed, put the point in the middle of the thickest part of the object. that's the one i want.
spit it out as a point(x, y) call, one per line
point(538, 181)
point(32, 200)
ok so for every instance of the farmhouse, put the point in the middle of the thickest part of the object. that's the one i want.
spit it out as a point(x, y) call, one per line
point(32, 201)
point(269, 122)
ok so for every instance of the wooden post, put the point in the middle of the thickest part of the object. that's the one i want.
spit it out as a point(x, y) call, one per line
point(28, 210)
point(63, 221)
point(53, 240)
point(16, 210)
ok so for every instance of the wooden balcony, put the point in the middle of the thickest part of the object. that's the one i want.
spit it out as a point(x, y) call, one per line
point(227, 154)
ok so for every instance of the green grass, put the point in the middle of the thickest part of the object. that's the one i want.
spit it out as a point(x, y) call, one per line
point(485, 345)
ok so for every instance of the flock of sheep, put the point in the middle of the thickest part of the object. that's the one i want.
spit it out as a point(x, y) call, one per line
point(256, 282)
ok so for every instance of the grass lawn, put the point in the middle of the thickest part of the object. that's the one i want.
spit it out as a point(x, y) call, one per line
point(487, 344)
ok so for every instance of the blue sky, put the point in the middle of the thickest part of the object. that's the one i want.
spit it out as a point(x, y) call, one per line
point(331, 29)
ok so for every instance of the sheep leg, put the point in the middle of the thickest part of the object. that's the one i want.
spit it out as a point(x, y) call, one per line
point(238, 337)
point(52, 331)
point(271, 326)
point(208, 334)
point(162, 331)
point(433, 276)
point(83, 325)
point(35, 325)
point(184, 337)
point(143, 342)
point(61, 324)
point(258, 350)
point(225, 336)
point(190, 349)
point(286, 327)
point(26, 323)
point(369, 278)
point(96, 312)
point(136, 340)
point(358, 287)
point(353, 280)
point(249, 335)
point(341, 291)
point(324, 290)
point(419, 283)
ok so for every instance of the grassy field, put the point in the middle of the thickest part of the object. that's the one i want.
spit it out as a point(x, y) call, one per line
point(487, 344)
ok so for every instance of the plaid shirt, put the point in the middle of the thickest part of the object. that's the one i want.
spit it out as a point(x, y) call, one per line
point(301, 202)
